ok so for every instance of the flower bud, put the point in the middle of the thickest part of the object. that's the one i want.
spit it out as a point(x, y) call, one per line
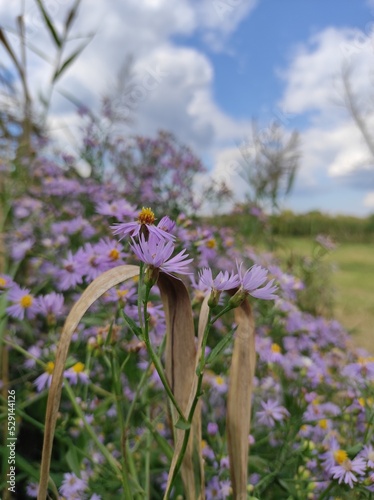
point(151, 276)
point(238, 298)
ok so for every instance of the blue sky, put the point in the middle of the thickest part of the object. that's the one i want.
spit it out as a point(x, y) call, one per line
point(263, 44)
point(214, 65)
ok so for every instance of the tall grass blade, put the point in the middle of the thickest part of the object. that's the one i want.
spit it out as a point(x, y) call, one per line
point(69, 61)
point(49, 24)
point(71, 15)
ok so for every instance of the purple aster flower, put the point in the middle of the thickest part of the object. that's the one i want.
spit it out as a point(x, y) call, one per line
point(19, 250)
point(5, 282)
point(51, 305)
point(110, 253)
point(253, 278)
point(23, 303)
point(362, 369)
point(35, 352)
point(346, 470)
point(223, 281)
point(206, 450)
point(117, 208)
point(32, 490)
point(166, 224)
point(272, 412)
point(226, 489)
point(213, 490)
point(89, 262)
point(368, 454)
point(157, 252)
point(72, 226)
point(212, 428)
point(325, 242)
point(145, 222)
point(70, 275)
point(71, 485)
point(45, 379)
point(76, 373)
point(219, 384)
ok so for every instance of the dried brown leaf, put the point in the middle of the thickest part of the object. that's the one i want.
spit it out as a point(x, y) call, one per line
point(181, 363)
point(97, 288)
point(239, 399)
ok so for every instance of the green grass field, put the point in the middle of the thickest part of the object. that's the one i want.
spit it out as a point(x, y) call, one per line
point(353, 281)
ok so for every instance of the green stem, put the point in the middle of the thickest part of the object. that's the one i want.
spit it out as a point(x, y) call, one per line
point(24, 352)
point(147, 486)
point(327, 491)
point(140, 292)
point(114, 464)
point(159, 368)
point(155, 360)
point(118, 392)
point(200, 373)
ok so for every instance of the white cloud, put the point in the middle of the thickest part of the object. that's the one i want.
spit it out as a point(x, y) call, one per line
point(369, 200)
point(172, 83)
point(332, 145)
point(313, 78)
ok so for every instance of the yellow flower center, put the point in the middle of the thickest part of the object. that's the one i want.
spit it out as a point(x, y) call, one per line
point(275, 348)
point(122, 293)
point(114, 254)
point(361, 402)
point(323, 423)
point(50, 367)
point(211, 243)
point(203, 444)
point(219, 380)
point(26, 301)
point(340, 456)
point(2, 282)
point(146, 216)
point(78, 367)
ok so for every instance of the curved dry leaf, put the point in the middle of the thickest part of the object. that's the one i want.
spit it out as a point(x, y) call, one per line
point(239, 398)
point(180, 360)
point(97, 288)
point(194, 445)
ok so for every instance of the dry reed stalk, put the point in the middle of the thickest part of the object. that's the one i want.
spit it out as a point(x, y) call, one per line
point(97, 288)
point(239, 399)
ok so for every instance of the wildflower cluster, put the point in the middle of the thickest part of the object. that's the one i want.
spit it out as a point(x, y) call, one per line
point(312, 409)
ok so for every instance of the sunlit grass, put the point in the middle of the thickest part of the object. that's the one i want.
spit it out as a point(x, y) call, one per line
point(352, 280)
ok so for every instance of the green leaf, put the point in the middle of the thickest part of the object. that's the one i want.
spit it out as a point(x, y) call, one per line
point(73, 461)
point(182, 424)
point(216, 351)
point(161, 441)
point(69, 61)
point(353, 450)
point(49, 23)
point(71, 15)
point(136, 330)
point(109, 336)
point(26, 466)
